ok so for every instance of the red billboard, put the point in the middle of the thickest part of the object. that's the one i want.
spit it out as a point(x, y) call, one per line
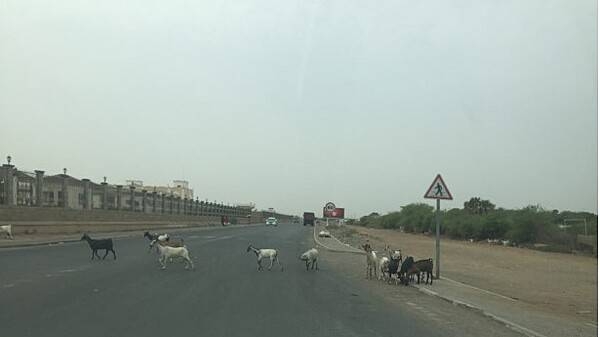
point(334, 213)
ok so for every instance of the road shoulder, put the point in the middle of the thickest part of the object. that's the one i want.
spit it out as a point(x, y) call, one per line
point(516, 315)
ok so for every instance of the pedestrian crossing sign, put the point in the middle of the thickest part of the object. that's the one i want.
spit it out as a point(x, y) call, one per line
point(438, 189)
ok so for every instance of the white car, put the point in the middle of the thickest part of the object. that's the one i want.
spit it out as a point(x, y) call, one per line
point(271, 221)
point(324, 234)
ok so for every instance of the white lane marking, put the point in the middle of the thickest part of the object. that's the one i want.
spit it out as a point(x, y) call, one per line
point(74, 269)
point(411, 303)
point(15, 283)
point(591, 324)
point(482, 290)
point(218, 239)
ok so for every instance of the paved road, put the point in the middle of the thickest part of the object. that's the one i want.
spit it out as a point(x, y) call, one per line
point(58, 291)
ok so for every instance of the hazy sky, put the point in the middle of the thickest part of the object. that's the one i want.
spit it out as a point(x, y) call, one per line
point(293, 103)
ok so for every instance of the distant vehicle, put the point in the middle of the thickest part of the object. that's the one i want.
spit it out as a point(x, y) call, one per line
point(271, 221)
point(309, 218)
point(324, 234)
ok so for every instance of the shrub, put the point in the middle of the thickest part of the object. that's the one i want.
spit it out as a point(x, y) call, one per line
point(528, 225)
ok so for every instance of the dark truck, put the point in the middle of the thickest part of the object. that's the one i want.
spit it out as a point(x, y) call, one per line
point(309, 218)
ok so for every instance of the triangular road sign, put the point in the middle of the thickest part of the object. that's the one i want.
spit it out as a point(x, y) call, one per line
point(438, 190)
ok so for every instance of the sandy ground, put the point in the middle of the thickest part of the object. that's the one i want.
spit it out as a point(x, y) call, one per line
point(558, 283)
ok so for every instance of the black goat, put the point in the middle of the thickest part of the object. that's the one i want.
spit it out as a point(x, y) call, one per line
point(151, 237)
point(393, 266)
point(422, 266)
point(106, 244)
point(405, 268)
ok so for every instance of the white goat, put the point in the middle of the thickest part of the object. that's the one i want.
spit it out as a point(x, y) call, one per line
point(372, 262)
point(8, 230)
point(383, 264)
point(271, 254)
point(167, 252)
point(311, 256)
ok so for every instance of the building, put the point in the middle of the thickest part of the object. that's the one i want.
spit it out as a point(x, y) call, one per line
point(180, 188)
point(246, 206)
point(20, 188)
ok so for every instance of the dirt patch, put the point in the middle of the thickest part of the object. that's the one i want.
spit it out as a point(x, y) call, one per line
point(558, 283)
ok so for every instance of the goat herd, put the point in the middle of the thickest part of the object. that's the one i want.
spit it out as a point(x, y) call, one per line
point(169, 248)
point(391, 268)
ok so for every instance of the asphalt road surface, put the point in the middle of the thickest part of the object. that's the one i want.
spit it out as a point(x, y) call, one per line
point(59, 291)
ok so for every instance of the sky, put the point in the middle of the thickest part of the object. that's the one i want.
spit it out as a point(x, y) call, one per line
point(290, 104)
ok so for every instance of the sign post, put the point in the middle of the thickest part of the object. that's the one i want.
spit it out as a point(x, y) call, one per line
point(438, 190)
point(329, 207)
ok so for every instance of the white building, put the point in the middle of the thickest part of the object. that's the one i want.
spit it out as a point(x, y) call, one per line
point(180, 188)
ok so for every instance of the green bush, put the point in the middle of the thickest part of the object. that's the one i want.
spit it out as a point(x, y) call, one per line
point(531, 224)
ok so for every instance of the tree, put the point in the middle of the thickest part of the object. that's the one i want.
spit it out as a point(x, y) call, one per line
point(476, 205)
point(417, 217)
point(369, 220)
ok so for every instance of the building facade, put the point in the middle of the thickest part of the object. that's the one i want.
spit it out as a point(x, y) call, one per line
point(36, 189)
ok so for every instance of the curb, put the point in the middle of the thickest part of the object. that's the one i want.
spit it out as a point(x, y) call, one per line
point(125, 234)
point(333, 250)
point(513, 326)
